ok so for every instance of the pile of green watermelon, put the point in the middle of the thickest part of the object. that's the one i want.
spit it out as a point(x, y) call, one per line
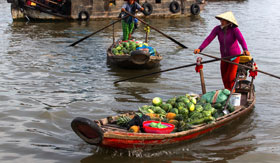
point(125, 47)
point(184, 111)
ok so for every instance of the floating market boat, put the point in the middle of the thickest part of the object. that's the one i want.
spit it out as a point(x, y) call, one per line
point(97, 9)
point(108, 133)
point(137, 59)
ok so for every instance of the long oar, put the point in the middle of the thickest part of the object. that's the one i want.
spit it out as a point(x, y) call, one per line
point(175, 68)
point(172, 39)
point(75, 43)
point(224, 59)
point(170, 69)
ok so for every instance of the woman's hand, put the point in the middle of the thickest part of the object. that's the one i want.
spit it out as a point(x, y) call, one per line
point(196, 51)
point(246, 52)
point(123, 9)
point(142, 9)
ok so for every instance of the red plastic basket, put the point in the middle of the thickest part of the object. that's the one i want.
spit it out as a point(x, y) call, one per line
point(167, 130)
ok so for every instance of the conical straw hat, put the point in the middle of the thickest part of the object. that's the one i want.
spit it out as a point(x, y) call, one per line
point(228, 16)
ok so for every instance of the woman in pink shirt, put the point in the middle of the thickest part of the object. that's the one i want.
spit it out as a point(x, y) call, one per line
point(229, 36)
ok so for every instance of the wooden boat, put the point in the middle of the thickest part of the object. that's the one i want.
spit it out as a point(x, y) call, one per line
point(136, 61)
point(106, 133)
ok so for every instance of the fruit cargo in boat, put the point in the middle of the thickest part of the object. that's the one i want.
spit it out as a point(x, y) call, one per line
point(99, 9)
point(133, 54)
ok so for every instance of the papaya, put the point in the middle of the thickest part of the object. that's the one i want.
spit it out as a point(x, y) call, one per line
point(134, 129)
point(170, 115)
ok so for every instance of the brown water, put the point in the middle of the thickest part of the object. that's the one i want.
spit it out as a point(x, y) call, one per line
point(44, 85)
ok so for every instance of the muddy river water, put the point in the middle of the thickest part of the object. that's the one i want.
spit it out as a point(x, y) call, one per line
point(44, 85)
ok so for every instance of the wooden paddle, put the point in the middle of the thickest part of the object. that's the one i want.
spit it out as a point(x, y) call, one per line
point(170, 69)
point(172, 39)
point(250, 68)
point(75, 43)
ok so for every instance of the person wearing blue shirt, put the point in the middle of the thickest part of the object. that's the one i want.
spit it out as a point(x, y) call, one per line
point(128, 23)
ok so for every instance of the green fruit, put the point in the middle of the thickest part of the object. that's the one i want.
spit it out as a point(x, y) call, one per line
point(118, 48)
point(150, 111)
point(207, 106)
point(180, 98)
point(159, 110)
point(191, 106)
point(157, 101)
point(218, 106)
point(172, 101)
point(198, 108)
point(193, 100)
point(206, 113)
point(174, 110)
point(114, 51)
point(125, 51)
point(202, 100)
point(213, 110)
point(179, 117)
point(133, 47)
point(184, 112)
point(186, 100)
point(166, 107)
point(180, 104)
point(125, 44)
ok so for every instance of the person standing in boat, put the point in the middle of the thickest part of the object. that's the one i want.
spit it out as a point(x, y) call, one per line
point(128, 23)
point(228, 35)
